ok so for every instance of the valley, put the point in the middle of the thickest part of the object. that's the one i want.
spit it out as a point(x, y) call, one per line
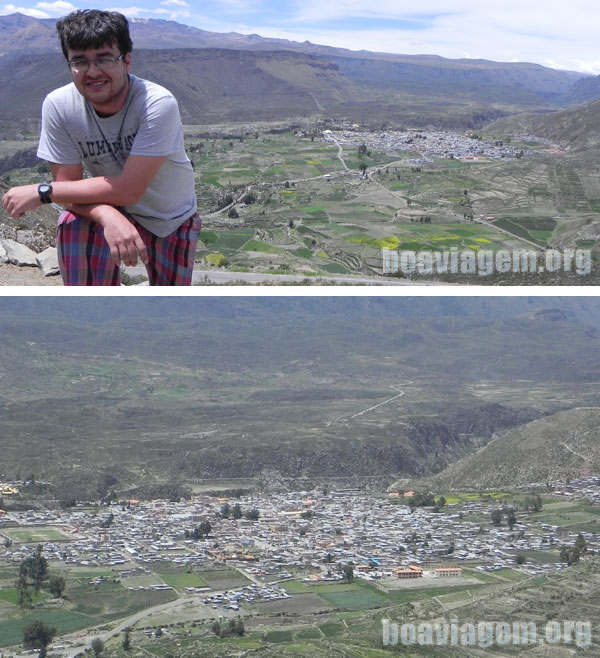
point(281, 476)
point(321, 198)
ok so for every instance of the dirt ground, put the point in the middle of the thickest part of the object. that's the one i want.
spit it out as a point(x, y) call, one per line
point(12, 275)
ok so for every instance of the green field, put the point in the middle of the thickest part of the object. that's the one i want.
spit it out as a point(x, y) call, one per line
point(277, 637)
point(296, 587)
point(361, 599)
point(182, 580)
point(224, 579)
point(412, 208)
point(9, 595)
point(32, 535)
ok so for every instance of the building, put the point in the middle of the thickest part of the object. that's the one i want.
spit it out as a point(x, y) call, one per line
point(412, 571)
point(446, 572)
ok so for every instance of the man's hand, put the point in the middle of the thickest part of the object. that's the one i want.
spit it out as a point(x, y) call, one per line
point(19, 200)
point(122, 237)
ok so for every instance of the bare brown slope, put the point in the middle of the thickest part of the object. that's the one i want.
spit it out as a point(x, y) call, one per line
point(578, 128)
point(563, 445)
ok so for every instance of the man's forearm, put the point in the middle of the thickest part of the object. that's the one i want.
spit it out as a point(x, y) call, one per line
point(96, 212)
point(91, 191)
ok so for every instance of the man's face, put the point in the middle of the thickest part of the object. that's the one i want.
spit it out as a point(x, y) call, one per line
point(106, 88)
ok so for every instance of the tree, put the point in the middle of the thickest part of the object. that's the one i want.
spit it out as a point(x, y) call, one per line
point(24, 596)
point(520, 559)
point(363, 168)
point(580, 544)
point(203, 530)
point(232, 213)
point(237, 511)
point(253, 514)
point(349, 573)
point(225, 510)
point(108, 521)
point(38, 635)
point(511, 518)
point(362, 151)
point(216, 628)
point(57, 586)
point(533, 502)
point(126, 644)
point(36, 568)
point(97, 646)
point(497, 517)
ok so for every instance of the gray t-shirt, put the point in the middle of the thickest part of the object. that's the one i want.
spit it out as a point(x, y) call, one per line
point(148, 124)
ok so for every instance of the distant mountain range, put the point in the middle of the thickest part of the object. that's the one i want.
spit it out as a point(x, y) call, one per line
point(238, 77)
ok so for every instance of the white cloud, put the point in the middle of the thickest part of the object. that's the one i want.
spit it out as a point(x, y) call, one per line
point(41, 9)
point(592, 67)
point(27, 11)
point(56, 6)
point(175, 3)
point(142, 12)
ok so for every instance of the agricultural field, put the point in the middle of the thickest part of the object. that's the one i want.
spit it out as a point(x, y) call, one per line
point(280, 198)
point(87, 603)
point(299, 208)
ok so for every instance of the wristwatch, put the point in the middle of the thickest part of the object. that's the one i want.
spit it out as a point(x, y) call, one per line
point(44, 191)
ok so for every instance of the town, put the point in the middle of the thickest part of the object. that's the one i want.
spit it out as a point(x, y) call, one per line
point(306, 534)
point(430, 144)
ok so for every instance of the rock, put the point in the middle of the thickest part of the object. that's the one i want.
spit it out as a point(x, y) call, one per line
point(24, 237)
point(18, 254)
point(3, 254)
point(48, 261)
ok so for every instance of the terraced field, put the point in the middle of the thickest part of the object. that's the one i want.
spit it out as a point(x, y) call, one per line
point(308, 215)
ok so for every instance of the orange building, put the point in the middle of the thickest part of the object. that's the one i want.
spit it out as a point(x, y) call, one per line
point(412, 571)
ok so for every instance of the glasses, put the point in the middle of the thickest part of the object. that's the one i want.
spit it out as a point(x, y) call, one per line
point(103, 63)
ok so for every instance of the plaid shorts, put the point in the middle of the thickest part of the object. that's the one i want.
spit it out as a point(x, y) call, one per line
point(84, 256)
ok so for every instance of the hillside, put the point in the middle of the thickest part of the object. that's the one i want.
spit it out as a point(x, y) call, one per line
point(270, 78)
point(559, 446)
point(571, 594)
point(180, 389)
point(577, 128)
point(210, 85)
point(583, 91)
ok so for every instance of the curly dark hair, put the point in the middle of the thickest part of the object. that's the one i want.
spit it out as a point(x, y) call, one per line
point(92, 28)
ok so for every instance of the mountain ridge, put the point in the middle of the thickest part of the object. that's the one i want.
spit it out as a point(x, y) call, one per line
point(416, 88)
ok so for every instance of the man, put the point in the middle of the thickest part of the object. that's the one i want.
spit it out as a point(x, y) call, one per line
point(139, 199)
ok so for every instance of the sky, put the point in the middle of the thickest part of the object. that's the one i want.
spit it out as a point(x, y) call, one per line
point(553, 33)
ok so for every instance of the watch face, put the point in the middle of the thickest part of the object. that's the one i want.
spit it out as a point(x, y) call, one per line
point(44, 188)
